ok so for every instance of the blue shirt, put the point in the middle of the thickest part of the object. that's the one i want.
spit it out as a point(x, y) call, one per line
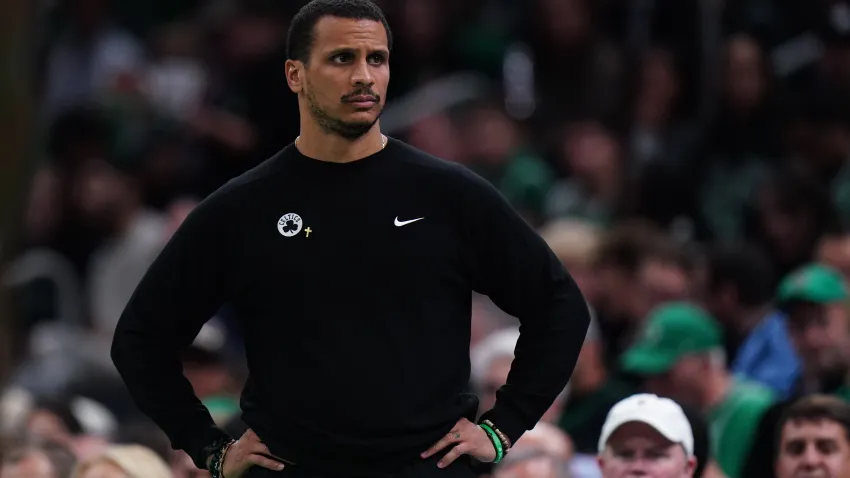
point(767, 356)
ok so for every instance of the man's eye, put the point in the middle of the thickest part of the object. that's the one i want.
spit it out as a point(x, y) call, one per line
point(376, 59)
point(342, 58)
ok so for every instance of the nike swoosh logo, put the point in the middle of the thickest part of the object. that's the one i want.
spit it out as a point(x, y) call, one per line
point(404, 223)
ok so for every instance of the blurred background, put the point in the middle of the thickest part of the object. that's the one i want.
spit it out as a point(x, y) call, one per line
point(668, 150)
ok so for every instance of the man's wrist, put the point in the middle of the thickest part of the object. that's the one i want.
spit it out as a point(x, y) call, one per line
point(213, 448)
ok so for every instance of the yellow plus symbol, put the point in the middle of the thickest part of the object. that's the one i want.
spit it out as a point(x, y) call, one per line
point(308, 231)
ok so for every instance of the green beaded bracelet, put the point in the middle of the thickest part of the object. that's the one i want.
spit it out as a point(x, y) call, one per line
point(497, 443)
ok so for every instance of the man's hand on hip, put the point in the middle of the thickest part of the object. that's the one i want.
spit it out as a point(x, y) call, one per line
point(248, 451)
point(467, 438)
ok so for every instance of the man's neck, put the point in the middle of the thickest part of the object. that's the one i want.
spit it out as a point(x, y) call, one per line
point(317, 144)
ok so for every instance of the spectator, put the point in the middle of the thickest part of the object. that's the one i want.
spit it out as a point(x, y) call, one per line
point(533, 463)
point(739, 294)
point(637, 269)
point(37, 459)
point(814, 299)
point(680, 354)
point(576, 243)
point(109, 195)
point(593, 191)
point(645, 435)
point(495, 149)
point(124, 461)
point(814, 438)
point(793, 210)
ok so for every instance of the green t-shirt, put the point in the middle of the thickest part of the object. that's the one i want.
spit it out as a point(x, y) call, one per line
point(733, 423)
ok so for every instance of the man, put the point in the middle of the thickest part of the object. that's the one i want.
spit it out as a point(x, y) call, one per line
point(814, 299)
point(645, 435)
point(350, 259)
point(814, 439)
point(637, 268)
point(44, 459)
point(739, 294)
point(680, 355)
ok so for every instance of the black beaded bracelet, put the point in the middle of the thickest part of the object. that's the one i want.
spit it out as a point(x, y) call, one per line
point(216, 467)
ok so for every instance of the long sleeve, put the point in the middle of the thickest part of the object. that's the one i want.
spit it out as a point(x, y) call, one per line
point(512, 264)
point(182, 289)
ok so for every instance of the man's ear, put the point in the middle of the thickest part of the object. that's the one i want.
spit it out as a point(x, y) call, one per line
point(295, 75)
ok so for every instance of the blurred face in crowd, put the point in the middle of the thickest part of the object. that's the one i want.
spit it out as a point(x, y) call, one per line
point(490, 137)
point(344, 83)
point(566, 23)
point(31, 465)
point(45, 424)
point(790, 231)
point(659, 88)
point(104, 469)
point(684, 382)
point(835, 252)
point(593, 153)
point(542, 466)
point(820, 334)
point(100, 191)
point(638, 450)
point(661, 281)
point(813, 449)
point(745, 82)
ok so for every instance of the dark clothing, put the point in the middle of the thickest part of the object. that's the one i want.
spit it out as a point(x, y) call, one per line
point(702, 450)
point(419, 468)
point(355, 313)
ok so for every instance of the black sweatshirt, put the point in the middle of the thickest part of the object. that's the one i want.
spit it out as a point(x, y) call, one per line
point(353, 286)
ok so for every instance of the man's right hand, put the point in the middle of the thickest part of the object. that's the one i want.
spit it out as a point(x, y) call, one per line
point(245, 453)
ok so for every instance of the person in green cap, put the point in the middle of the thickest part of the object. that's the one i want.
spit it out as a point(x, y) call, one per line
point(680, 354)
point(814, 298)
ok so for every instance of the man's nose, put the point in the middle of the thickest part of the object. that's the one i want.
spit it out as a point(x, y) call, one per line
point(811, 458)
point(361, 74)
point(638, 467)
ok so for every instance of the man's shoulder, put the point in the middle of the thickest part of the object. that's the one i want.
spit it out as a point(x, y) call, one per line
point(411, 157)
point(246, 181)
point(751, 398)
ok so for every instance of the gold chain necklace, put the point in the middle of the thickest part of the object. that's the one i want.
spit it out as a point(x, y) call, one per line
point(383, 141)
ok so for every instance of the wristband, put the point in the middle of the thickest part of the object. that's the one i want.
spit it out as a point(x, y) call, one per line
point(497, 443)
point(217, 462)
point(506, 442)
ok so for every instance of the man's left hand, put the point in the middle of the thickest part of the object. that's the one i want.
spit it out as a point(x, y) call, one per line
point(467, 438)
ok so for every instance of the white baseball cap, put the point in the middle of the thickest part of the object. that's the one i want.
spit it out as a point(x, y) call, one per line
point(662, 414)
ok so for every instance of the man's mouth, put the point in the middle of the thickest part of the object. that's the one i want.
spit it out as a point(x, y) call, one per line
point(362, 101)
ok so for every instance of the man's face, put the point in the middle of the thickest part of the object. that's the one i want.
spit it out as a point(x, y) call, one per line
point(819, 332)
point(344, 83)
point(813, 449)
point(683, 382)
point(638, 450)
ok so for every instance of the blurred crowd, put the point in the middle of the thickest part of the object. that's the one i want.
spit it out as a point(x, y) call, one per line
point(687, 160)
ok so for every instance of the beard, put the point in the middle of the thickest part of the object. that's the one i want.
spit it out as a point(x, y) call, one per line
point(349, 130)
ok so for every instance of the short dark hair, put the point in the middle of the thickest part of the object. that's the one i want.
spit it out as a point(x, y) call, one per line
point(744, 267)
point(302, 29)
point(815, 408)
point(630, 246)
point(61, 458)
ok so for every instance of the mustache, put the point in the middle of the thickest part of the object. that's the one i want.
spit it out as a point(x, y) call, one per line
point(367, 92)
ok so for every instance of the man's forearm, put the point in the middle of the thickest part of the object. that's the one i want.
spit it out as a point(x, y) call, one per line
point(545, 356)
point(154, 377)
